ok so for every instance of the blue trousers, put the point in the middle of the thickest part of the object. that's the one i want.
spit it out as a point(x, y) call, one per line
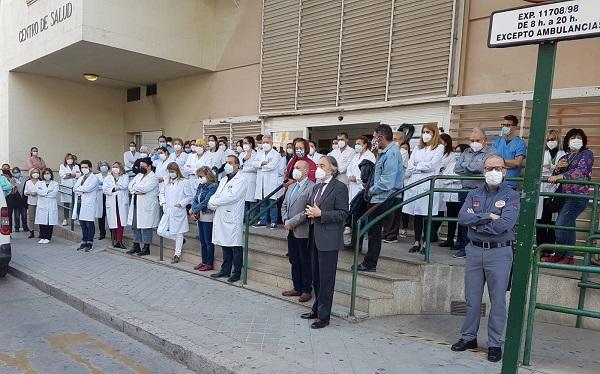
point(567, 217)
point(88, 229)
point(207, 250)
point(142, 236)
point(269, 213)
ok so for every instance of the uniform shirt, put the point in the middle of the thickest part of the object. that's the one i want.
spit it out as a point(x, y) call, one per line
point(471, 163)
point(503, 201)
point(343, 158)
point(510, 150)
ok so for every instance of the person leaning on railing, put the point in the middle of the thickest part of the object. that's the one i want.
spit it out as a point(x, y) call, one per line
point(575, 165)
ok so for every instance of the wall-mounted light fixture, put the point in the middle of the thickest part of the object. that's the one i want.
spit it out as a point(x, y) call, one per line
point(91, 77)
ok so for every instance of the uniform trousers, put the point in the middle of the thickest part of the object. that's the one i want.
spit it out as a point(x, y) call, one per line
point(178, 238)
point(232, 256)
point(46, 231)
point(31, 217)
point(299, 256)
point(324, 267)
point(491, 266)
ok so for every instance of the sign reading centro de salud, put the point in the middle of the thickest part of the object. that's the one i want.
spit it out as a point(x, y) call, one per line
point(552, 21)
point(45, 22)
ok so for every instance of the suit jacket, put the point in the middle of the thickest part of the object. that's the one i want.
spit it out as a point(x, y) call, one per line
point(329, 228)
point(294, 213)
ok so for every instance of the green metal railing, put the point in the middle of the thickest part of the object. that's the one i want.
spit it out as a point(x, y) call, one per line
point(249, 220)
point(66, 190)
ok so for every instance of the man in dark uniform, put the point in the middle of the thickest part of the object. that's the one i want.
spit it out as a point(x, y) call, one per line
point(490, 212)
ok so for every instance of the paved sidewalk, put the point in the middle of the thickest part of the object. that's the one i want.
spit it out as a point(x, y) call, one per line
point(214, 327)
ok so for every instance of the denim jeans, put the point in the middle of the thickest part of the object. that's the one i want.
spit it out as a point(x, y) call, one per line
point(567, 217)
point(88, 229)
point(207, 249)
point(269, 213)
point(142, 236)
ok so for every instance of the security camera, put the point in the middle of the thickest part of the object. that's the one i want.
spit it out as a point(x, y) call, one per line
point(340, 118)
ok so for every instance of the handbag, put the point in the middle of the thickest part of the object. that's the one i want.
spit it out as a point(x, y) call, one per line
point(555, 203)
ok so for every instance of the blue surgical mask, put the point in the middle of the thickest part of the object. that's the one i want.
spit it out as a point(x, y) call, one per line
point(358, 148)
point(505, 130)
point(104, 169)
point(162, 144)
point(456, 155)
point(17, 175)
point(228, 169)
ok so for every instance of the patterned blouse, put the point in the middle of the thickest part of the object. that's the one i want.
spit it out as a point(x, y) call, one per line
point(580, 167)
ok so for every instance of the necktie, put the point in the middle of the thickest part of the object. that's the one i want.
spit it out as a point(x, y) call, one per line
point(319, 193)
point(294, 193)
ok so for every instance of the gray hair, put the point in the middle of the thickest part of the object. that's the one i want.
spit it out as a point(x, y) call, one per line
point(479, 131)
point(334, 166)
point(144, 148)
point(267, 137)
point(493, 157)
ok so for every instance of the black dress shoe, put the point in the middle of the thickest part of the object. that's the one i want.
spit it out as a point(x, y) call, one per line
point(447, 244)
point(494, 354)
point(309, 315)
point(82, 246)
point(319, 324)
point(31, 235)
point(101, 237)
point(463, 345)
point(234, 278)
point(219, 275)
point(414, 248)
point(145, 252)
point(88, 247)
point(134, 250)
point(363, 267)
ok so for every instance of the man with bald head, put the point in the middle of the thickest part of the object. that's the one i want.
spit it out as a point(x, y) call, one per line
point(490, 212)
point(295, 221)
point(470, 164)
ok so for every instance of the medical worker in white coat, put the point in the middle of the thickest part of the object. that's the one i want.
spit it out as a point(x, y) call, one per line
point(195, 161)
point(249, 168)
point(130, 157)
point(46, 211)
point(115, 188)
point(144, 208)
point(362, 148)
point(160, 164)
point(228, 224)
point(104, 172)
point(175, 195)
point(425, 161)
point(268, 163)
point(85, 190)
point(179, 156)
point(68, 172)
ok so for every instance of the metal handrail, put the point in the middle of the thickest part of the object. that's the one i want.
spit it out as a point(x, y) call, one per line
point(251, 220)
point(533, 304)
point(69, 208)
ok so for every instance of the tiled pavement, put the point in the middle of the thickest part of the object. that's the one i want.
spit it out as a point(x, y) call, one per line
point(247, 332)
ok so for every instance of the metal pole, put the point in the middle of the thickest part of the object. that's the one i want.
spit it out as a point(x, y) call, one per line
point(429, 216)
point(358, 240)
point(531, 311)
point(71, 210)
point(525, 233)
point(245, 258)
point(161, 240)
point(585, 276)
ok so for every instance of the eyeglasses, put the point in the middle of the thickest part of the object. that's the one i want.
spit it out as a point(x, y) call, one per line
point(508, 124)
point(494, 168)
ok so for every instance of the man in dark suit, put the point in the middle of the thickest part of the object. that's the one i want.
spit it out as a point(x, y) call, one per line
point(327, 212)
point(295, 221)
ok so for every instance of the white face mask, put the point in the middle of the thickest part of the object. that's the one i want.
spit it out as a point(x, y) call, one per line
point(211, 144)
point(320, 173)
point(266, 147)
point(575, 144)
point(341, 143)
point(104, 168)
point(552, 144)
point(426, 137)
point(69, 162)
point(194, 148)
point(290, 151)
point(246, 147)
point(116, 170)
point(177, 147)
point(335, 146)
point(47, 177)
point(85, 171)
point(173, 175)
point(493, 178)
point(162, 156)
point(132, 149)
point(297, 174)
point(404, 153)
point(239, 149)
point(144, 155)
point(476, 147)
point(202, 180)
point(312, 151)
point(222, 147)
point(228, 169)
point(35, 175)
point(34, 153)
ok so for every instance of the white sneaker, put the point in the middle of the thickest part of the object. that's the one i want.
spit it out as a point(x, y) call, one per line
point(65, 223)
point(46, 241)
point(403, 234)
point(41, 241)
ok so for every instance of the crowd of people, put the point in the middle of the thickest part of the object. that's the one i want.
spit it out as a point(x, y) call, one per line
point(324, 193)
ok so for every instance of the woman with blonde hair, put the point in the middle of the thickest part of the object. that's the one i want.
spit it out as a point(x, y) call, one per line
point(175, 194)
point(115, 188)
point(424, 162)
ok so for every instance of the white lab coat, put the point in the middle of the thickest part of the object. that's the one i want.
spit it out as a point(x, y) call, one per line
point(100, 194)
point(447, 168)
point(423, 163)
point(174, 220)
point(180, 160)
point(160, 169)
point(249, 171)
point(120, 196)
point(548, 166)
point(214, 158)
point(88, 192)
point(46, 212)
point(29, 188)
point(268, 176)
point(355, 187)
point(316, 157)
point(343, 159)
point(147, 212)
point(129, 159)
point(228, 204)
point(62, 172)
point(191, 165)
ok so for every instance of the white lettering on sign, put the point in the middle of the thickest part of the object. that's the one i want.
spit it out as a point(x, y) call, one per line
point(563, 20)
point(53, 18)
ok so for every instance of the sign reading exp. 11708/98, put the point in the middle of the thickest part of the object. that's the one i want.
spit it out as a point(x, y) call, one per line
point(553, 21)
